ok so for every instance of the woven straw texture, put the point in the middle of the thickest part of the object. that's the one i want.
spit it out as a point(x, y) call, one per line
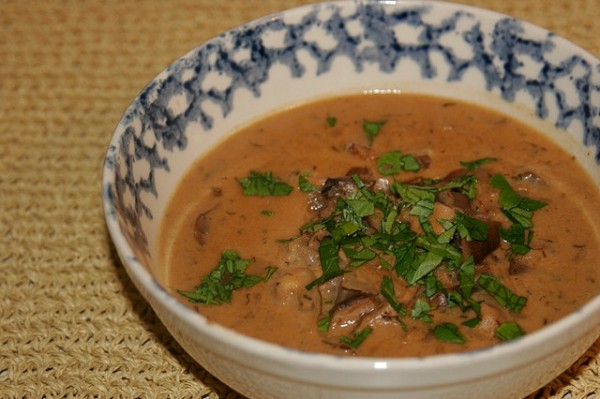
point(71, 323)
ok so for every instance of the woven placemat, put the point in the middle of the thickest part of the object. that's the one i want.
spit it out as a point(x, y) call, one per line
point(71, 322)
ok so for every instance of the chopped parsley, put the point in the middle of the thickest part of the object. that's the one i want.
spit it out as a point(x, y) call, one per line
point(413, 256)
point(448, 332)
point(395, 162)
point(218, 286)
point(357, 338)
point(372, 129)
point(323, 323)
point(328, 253)
point(467, 277)
point(520, 212)
point(501, 294)
point(517, 208)
point(470, 229)
point(388, 292)
point(509, 331)
point(421, 311)
point(264, 184)
point(472, 165)
point(270, 271)
point(305, 185)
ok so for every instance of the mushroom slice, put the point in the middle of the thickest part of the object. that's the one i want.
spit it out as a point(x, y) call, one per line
point(348, 314)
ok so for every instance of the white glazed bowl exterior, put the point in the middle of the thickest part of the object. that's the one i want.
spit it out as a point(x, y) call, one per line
point(333, 48)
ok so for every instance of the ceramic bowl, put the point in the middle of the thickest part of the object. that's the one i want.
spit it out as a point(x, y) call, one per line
point(333, 48)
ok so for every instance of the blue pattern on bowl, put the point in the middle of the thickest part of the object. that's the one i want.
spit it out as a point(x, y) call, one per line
point(497, 55)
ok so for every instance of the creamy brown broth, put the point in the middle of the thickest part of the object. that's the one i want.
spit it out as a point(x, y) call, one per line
point(209, 214)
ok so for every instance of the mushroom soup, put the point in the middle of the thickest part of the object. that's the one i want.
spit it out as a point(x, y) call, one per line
point(384, 225)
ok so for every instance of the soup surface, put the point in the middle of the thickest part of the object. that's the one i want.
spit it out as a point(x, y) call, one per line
point(384, 225)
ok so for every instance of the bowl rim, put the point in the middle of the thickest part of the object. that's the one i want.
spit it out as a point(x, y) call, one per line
point(149, 286)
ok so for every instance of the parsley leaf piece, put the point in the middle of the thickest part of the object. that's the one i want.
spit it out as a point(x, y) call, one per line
point(472, 323)
point(423, 209)
point(432, 286)
point(466, 184)
point(426, 265)
point(357, 252)
point(314, 226)
point(358, 338)
point(448, 251)
point(389, 223)
point(448, 332)
point(361, 206)
point(520, 212)
point(264, 184)
point(372, 129)
point(324, 323)
point(501, 294)
point(470, 228)
point(449, 230)
point(270, 271)
point(415, 261)
point(412, 194)
point(462, 297)
point(331, 121)
point(389, 293)
point(517, 208)
point(467, 277)
point(394, 162)
point(421, 311)
point(305, 185)
point(518, 238)
point(405, 254)
point(509, 330)
point(330, 264)
point(472, 165)
point(217, 287)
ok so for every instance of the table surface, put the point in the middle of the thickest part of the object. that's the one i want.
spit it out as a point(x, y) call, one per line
point(71, 322)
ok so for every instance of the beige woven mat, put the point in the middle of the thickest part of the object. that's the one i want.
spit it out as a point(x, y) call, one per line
point(71, 323)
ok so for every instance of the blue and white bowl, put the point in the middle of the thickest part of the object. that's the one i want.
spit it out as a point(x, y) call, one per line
point(329, 49)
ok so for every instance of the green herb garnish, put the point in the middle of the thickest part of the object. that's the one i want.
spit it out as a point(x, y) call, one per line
point(520, 212)
point(357, 339)
point(472, 165)
point(323, 323)
point(328, 253)
point(395, 162)
point(270, 271)
point(349, 234)
point(518, 237)
point(517, 208)
point(470, 228)
point(421, 311)
point(471, 323)
point(448, 332)
point(305, 185)
point(508, 331)
point(372, 129)
point(467, 277)
point(412, 194)
point(388, 292)
point(230, 275)
point(501, 294)
point(264, 184)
